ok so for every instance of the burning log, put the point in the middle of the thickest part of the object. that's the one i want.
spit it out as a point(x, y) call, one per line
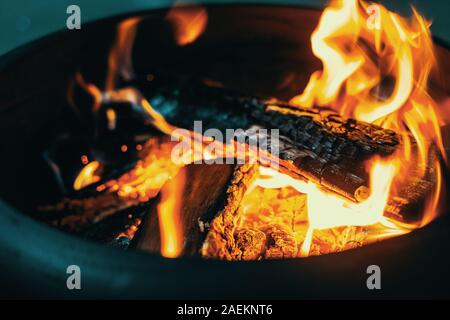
point(410, 200)
point(261, 223)
point(201, 197)
point(264, 223)
point(318, 144)
point(337, 147)
point(220, 241)
point(125, 192)
point(76, 214)
point(345, 179)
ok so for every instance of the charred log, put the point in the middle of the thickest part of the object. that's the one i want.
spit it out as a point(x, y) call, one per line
point(319, 144)
point(76, 215)
point(125, 189)
point(117, 229)
point(203, 195)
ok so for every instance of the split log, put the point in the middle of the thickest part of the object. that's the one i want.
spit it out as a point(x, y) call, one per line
point(273, 224)
point(273, 227)
point(349, 180)
point(220, 241)
point(410, 201)
point(202, 196)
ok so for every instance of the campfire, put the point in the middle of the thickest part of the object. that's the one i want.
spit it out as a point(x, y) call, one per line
point(180, 164)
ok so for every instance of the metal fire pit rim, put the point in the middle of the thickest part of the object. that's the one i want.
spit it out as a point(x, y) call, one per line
point(112, 273)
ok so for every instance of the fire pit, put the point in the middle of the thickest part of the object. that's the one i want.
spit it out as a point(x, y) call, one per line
point(107, 119)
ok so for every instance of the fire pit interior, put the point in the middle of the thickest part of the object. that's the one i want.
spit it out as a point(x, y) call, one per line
point(118, 133)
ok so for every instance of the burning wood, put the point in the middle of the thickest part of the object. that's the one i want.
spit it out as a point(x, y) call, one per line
point(317, 143)
point(202, 194)
point(259, 223)
point(358, 156)
point(128, 192)
point(408, 109)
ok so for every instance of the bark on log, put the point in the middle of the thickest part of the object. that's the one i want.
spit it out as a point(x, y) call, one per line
point(203, 195)
point(323, 146)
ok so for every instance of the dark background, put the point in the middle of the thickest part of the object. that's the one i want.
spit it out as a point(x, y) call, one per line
point(24, 20)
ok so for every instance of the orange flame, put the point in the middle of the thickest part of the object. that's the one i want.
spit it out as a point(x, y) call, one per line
point(189, 23)
point(169, 216)
point(90, 88)
point(376, 67)
point(149, 175)
point(88, 175)
point(119, 60)
point(111, 116)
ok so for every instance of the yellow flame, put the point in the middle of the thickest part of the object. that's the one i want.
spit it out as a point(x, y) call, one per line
point(376, 66)
point(87, 175)
point(327, 211)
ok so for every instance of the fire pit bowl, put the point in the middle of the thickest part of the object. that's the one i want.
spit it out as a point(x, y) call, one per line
point(265, 51)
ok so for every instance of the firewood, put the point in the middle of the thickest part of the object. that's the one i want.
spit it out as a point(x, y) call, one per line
point(115, 194)
point(267, 230)
point(220, 241)
point(418, 186)
point(76, 214)
point(346, 179)
point(323, 146)
point(118, 229)
point(231, 238)
point(202, 196)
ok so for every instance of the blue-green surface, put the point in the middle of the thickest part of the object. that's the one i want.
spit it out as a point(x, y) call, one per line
point(24, 20)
